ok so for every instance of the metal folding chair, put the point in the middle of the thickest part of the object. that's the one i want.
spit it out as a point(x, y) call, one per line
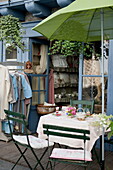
point(80, 157)
point(25, 138)
point(87, 105)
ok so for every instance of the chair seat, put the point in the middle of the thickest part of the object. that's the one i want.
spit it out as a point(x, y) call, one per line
point(34, 141)
point(68, 154)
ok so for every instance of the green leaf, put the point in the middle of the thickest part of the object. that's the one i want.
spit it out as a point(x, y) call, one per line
point(110, 134)
point(11, 32)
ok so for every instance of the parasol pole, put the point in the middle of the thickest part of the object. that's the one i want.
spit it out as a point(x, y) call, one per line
point(102, 62)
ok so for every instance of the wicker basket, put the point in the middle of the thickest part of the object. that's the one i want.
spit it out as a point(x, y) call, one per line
point(42, 109)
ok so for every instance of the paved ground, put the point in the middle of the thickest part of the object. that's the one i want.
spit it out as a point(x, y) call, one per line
point(9, 154)
point(5, 165)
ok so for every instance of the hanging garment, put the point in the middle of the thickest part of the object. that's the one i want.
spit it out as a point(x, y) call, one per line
point(27, 92)
point(22, 91)
point(40, 69)
point(51, 87)
point(38, 85)
point(14, 88)
point(5, 95)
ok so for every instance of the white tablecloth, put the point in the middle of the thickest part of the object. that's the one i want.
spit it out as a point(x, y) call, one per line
point(65, 121)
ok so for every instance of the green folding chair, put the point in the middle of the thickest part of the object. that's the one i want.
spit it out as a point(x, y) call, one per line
point(87, 105)
point(75, 156)
point(25, 138)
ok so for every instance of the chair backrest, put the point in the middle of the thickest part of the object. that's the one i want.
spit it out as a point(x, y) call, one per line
point(67, 132)
point(17, 119)
point(85, 104)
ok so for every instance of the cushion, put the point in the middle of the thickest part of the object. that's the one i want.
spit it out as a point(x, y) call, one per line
point(34, 141)
point(70, 154)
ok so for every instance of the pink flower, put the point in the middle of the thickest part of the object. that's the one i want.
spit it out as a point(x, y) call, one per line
point(71, 111)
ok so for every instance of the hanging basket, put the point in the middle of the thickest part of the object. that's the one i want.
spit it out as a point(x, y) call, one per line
point(42, 109)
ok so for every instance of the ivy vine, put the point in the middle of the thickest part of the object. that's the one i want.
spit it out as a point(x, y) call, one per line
point(11, 31)
point(69, 48)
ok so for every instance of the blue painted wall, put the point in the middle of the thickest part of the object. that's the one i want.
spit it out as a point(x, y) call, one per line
point(38, 8)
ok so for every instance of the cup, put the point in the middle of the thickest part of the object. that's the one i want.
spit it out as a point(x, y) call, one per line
point(57, 108)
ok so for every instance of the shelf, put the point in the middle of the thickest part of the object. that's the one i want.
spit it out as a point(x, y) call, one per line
point(66, 69)
point(65, 85)
point(12, 63)
point(57, 100)
point(64, 81)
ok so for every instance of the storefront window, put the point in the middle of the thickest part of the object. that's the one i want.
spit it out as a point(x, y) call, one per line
point(11, 53)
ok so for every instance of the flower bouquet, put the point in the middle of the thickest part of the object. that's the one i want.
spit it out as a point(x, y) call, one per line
point(71, 111)
point(102, 121)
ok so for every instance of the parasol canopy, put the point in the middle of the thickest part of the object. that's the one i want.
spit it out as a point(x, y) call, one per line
point(80, 21)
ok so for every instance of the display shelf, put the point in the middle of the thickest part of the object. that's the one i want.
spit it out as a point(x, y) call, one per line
point(65, 78)
point(57, 100)
point(66, 69)
point(65, 85)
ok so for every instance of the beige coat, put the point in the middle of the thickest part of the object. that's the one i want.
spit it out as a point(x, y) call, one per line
point(4, 90)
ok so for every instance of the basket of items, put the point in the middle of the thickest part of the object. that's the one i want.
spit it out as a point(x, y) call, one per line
point(46, 108)
point(80, 114)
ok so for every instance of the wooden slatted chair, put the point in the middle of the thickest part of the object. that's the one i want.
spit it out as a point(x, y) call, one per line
point(88, 105)
point(75, 156)
point(25, 139)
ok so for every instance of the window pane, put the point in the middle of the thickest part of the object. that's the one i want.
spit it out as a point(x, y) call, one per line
point(11, 53)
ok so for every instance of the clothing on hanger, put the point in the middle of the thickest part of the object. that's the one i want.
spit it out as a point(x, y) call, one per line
point(5, 95)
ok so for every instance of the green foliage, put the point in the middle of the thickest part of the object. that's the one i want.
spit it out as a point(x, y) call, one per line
point(69, 48)
point(103, 120)
point(111, 130)
point(11, 31)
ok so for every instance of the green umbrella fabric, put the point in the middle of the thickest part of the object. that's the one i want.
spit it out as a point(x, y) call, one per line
point(80, 21)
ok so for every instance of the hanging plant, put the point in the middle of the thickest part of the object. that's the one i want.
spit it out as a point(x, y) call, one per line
point(69, 48)
point(11, 31)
